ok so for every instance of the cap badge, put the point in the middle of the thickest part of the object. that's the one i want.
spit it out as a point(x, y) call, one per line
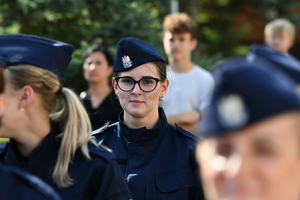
point(126, 61)
point(232, 111)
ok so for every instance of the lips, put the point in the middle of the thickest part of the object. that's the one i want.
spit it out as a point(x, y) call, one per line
point(136, 101)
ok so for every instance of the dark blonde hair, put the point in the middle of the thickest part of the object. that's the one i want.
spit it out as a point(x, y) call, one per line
point(67, 112)
point(179, 23)
point(280, 24)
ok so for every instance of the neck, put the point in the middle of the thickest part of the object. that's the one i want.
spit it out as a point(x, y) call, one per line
point(29, 135)
point(139, 122)
point(181, 65)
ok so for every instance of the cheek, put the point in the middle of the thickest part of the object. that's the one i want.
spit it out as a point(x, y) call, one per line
point(212, 179)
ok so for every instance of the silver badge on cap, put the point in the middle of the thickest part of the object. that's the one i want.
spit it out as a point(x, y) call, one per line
point(126, 61)
point(232, 111)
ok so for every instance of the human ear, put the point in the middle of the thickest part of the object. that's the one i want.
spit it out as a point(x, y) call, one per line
point(194, 43)
point(164, 87)
point(26, 95)
point(115, 85)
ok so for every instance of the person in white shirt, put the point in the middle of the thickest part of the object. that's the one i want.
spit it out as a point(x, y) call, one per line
point(190, 85)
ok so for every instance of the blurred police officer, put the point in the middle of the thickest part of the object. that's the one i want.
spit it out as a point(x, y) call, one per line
point(252, 135)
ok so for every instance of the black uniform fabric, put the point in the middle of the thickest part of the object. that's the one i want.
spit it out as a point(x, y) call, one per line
point(108, 110)
point(157, 163)
point(98, 178)
point(16, 184)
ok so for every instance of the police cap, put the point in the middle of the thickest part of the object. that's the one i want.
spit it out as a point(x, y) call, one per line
point(41, 52)
point(247, 93)
point(133, 52)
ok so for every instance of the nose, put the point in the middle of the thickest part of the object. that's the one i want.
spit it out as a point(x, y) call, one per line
point(91, 66)
point(233, 166)
point(174, 44)
point(136, 89)
point(237, 167)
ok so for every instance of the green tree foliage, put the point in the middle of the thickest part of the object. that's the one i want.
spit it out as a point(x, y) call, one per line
point(83, 23)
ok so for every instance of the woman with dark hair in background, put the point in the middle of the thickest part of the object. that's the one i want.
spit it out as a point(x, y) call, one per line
point(100, 101)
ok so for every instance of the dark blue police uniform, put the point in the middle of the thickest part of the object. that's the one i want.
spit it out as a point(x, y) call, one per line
point(157, 163)
point(16, 184)
point(98, 178)
point(287, 64)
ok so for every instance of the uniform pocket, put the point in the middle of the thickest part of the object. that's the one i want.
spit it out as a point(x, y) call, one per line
point(175, 185)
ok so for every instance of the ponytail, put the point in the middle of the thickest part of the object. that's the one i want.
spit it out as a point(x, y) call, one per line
point(69, 114)
point(76, 134)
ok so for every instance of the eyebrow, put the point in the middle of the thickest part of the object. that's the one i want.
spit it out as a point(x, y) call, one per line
point(264, 140)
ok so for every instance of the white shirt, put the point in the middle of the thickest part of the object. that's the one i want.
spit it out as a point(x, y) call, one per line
point(188, 91)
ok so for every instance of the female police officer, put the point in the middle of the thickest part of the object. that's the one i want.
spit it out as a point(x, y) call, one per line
point(252, 145)
point(58, 149)
point(156, 158)
point(16, 184)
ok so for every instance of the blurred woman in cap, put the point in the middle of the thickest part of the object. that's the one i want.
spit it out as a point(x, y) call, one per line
point(156, 158)
point(48, 127)
point(251, 149)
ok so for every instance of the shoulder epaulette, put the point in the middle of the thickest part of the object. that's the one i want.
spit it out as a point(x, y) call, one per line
point(186, 133)
point(101, 129)
point(102, 152)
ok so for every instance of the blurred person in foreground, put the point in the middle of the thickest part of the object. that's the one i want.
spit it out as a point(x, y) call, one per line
point(16, 184)
point(100, 101)
point(157, 159)
point(251, 131)
point(48, 127)
point(190, 85)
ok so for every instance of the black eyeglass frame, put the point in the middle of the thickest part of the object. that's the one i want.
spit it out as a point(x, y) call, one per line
point(137, 82)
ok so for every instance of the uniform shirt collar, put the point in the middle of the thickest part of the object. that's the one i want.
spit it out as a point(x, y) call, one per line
point(42, 152)
point(143, 134)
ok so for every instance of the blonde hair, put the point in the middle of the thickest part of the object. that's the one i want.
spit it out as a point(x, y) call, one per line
point(65, 108)
point(179, 23)
point(280, 24)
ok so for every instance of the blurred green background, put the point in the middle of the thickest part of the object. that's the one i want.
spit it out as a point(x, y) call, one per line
point(225, 27)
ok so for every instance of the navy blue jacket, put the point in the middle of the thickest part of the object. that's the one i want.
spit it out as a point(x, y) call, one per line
point(98, 178)
point(157, 163)
point(16, 184)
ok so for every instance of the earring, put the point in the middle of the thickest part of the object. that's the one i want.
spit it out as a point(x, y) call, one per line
point(21, 109)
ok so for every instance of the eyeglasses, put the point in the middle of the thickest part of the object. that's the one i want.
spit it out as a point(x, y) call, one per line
point(127, 84)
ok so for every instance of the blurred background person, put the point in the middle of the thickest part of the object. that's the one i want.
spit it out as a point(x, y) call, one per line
point(156, 158)
point(100, 101)
point(48, 127)
point(279, 38)
point(251, 136)
point(190, 85)
point(280, 35)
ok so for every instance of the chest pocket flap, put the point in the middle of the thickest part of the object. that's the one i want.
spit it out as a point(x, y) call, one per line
point(174, 181)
